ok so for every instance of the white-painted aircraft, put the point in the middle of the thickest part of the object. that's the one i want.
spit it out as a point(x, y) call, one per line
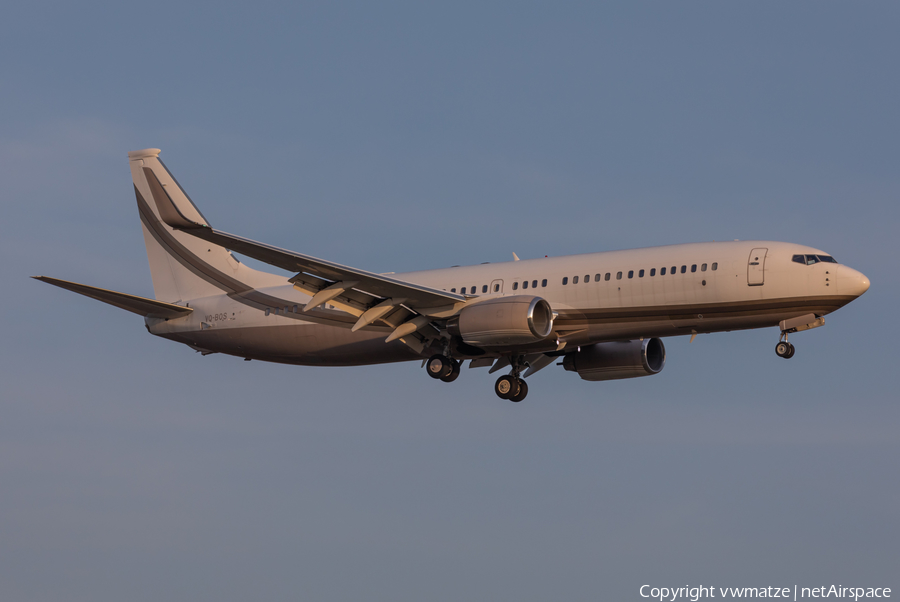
point(601, 314)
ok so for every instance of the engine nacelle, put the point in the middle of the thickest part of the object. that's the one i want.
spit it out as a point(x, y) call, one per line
point(609, 361)
point(517, 320)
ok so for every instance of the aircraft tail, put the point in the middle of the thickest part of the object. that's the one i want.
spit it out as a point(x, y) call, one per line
point(182, 266)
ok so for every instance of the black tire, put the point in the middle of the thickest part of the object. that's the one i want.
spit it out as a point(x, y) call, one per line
point(454, 373)
point(782, 349)
point(506, 386)
point(523, 391)
point(438, 366)
point(790, 352)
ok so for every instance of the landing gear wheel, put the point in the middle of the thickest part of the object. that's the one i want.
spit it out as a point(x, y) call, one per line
point(782, 349)
point(790, 352)
point(523, 391)
point(439, 366)
point(454, 372)
point(506, 387)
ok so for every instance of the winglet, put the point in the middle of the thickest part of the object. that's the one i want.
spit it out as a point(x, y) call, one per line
point(515, 257)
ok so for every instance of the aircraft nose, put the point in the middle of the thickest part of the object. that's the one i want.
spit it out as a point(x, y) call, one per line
point(851, 282)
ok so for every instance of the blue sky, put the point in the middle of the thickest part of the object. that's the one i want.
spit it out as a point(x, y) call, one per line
point(403, 137)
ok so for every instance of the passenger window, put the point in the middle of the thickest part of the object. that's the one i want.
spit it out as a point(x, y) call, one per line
point(693, 268)
point(566, 280)
point(618, 275)
point(683, 269)
point(674, 270)
point(715, 266)
point(607, 276)
point(597, 277)
point(631, 273)
point(484, 288)
point(641, 274)
point(452, 290)
point(575, 280)
point(496, 288)
point(703, 268)
point(267, 311)
point(653, 271)
point(473, 290)
point(525, 284)
point(534, 284)
point(662, 271)
point(587, 278)
point(515, 286)
point(543, 283)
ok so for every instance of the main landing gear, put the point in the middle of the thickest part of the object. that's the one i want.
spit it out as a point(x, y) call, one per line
point(442, 368)
point(783, 348)
point(511, 387)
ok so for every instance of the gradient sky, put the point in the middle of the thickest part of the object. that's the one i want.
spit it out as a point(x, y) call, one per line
point(407, 136)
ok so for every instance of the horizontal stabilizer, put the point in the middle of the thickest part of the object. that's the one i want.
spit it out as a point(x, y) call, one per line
point(139, 305)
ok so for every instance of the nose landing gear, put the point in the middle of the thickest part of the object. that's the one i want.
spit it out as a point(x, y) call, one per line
point(784, 349)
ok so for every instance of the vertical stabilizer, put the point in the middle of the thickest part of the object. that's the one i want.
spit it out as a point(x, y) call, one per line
point(183, 267)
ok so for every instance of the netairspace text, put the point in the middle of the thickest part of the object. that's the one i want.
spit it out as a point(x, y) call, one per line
point(787, 593)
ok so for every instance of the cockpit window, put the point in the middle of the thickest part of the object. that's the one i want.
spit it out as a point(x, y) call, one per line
point(812, 259)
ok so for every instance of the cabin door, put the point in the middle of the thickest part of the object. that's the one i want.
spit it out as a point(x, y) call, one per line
point(496, 286)
point(756, 266)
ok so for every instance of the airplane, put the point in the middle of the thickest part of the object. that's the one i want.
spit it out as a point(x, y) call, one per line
point(600, 315)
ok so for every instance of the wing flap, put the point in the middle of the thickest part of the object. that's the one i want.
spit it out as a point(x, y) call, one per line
point(142, 306)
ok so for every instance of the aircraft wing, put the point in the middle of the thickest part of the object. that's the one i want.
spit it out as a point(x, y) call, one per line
point(142, 306)
point(355, 291)
point(315, 274)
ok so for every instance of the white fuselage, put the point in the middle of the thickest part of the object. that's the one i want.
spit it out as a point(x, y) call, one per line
point(716, 286)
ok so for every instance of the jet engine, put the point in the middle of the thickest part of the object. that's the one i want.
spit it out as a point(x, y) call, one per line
point(609, 361)
point(517, 320)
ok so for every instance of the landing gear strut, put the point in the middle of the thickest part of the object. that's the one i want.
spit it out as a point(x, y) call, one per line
point(783, 348)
